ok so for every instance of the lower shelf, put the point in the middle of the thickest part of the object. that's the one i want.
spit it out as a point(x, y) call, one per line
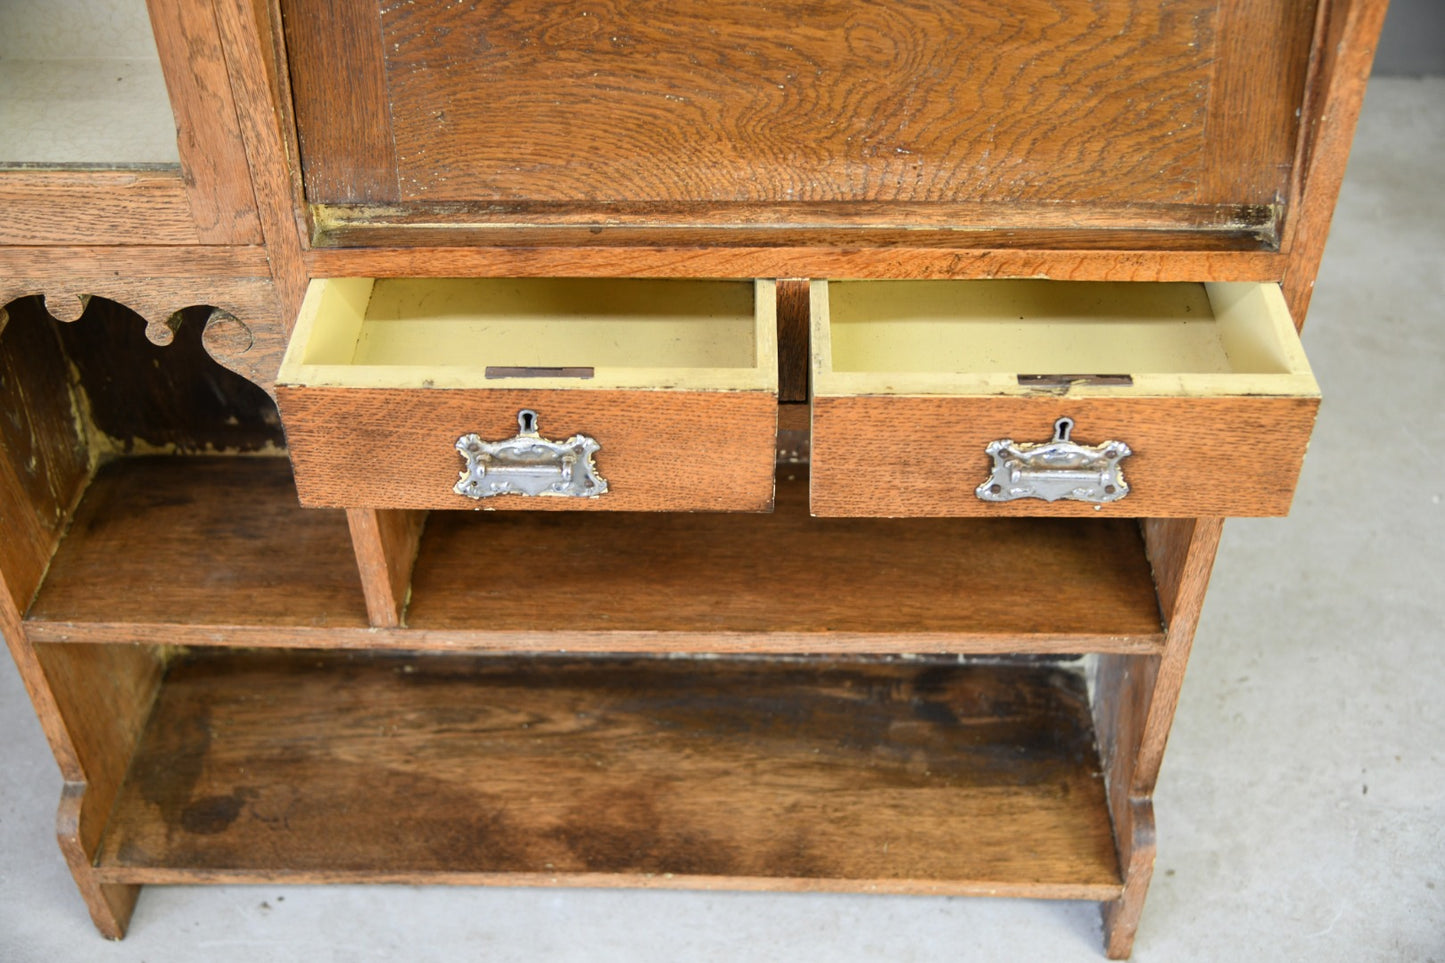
point(739, 773)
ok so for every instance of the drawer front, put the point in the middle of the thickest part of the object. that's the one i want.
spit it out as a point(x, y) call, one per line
point(658, 450)
point(906, 456)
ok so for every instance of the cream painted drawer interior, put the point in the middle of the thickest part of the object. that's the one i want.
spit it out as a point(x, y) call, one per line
point(1206, 385)
point(674, 381)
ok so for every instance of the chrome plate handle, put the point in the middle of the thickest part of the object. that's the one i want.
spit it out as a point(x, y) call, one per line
point(529, 464)
point(1056, 469)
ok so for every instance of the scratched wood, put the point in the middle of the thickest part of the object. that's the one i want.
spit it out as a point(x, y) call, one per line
point(1191, 455)
point(103, 207)
point(661, 450)
point(789, 775)
point(725, 100)
point(46, 449)
point(213, 157)
point(789, 574)
point(205, 540)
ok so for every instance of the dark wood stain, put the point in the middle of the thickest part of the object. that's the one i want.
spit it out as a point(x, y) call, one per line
point(174, 395)
point(206, 539)
point(400, 763)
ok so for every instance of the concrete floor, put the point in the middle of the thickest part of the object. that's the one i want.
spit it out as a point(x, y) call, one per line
point(1301, 805)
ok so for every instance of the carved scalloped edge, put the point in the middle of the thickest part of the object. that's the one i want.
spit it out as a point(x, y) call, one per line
point(245, 331)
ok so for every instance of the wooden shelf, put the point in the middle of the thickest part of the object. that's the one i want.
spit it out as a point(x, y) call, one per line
point(203, 543)
point(786, 582)
point(217, 552)
point(728, 773)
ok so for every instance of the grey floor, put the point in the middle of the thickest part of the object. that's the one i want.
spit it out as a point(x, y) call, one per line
point(1302, 800)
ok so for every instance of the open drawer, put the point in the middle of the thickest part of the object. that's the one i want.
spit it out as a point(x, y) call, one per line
point(637, 395)
point(1035, 397)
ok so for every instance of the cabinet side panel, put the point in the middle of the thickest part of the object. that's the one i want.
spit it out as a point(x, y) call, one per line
point(45, 455)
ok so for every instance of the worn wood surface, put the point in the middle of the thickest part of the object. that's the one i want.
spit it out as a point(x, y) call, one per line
point(1262, 49)
point(779, 582)
point(386, 544)
point(1192, 456)
point(661, 450)
point(110, 904)
point(787, 579)
point(549, 102)
point(124, 261)
point(59, 207)
point(836, 256)
point(904, 777)
point(1134, 704)
point(1182, 554)
point(248, 335)
point(45, 451)
point(143, 395)
point(206, 541)
point(217, 180)
point(1344, 51)
point(249, 45)
point(339, 94)
point(103, 694)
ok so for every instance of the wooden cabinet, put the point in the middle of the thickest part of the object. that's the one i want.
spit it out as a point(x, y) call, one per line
point(774, 265)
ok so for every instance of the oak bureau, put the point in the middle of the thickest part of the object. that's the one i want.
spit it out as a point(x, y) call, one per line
point(709, 445)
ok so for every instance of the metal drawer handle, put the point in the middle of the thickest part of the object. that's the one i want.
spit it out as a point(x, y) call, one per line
point(1056, 469)
point(529, 464)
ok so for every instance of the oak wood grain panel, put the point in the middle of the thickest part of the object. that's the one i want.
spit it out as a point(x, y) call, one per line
point(104, 694)
point(779, 582)
point(661, 450)
point(1344, 52)
point(801, 100)
point(835, 257)
point(204, 541)
point(137, 261)
point(912, 777)
point(213, 156)
point(342, 107)
point(787, 573)
point(245, 27)
point(386, 544)
point(883, 455)
point(96, 207)
point(1262, 50)
point(45, 453)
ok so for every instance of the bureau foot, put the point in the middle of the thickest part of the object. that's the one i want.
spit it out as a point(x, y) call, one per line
point(110, 904)
point(1121, 916)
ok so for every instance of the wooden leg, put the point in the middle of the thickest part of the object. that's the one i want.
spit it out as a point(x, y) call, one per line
point(386, 544)
point(1134, 701)
point(78, 830)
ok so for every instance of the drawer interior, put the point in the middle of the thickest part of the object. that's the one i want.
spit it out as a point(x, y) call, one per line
point(926, 336)
point(576, 333)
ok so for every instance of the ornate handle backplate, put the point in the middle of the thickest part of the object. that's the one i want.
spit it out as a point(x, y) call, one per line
point(529, 464)
point(1056, 469)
